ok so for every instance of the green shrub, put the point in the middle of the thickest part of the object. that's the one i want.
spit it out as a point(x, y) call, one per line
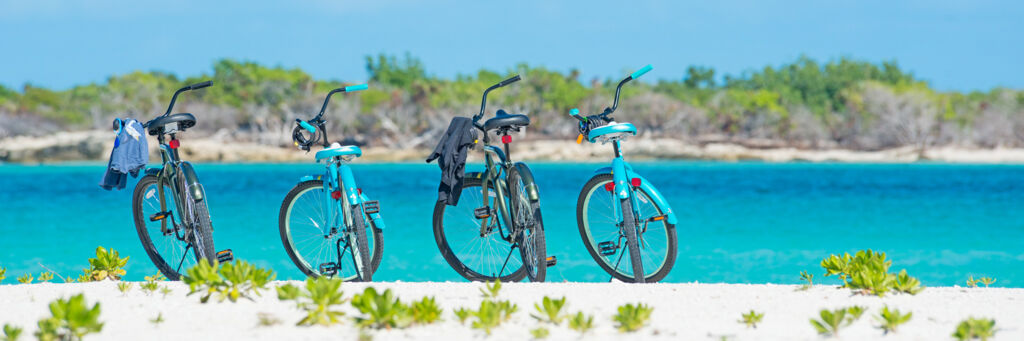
point(320, 297)
point(106, 265)
point(973, 283)
point(426, 311)
point(751, 319)
point(165, 291)
point(267, 319)
point(150, 285)
point(462, 314)
point(539, 333)
point(492, 314)
point(868, 272)
point(124, 287)
point(892, 319)
point(45, 277)
point(833, 320)
point(156, 321)
point(972, 328)
point(491, 289)
point(229, 281)
point(3, 274)
point(71, 320)
point(550, 310)
point(25, 279)
point(11, 333)
point(907, 284)
point(381, 310)
point(631, 317)
point(806, 277)
point(581, 323)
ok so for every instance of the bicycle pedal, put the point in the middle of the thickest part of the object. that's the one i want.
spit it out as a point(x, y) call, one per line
point(551, 260)
point(159, 216)
point(371, 207)
point(225, 256)
point(482, 212)
point(607, 248)
point(329, 269)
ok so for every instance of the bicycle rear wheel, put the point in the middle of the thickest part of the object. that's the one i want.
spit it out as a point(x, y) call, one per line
point(474, 256)
point(529, 226)
point(303, 225)
point(166, 241)
point(605, 239)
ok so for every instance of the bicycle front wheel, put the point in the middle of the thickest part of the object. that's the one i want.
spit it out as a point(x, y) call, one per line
point(476, 256)
point(166, 240)
point(607, 241)
point(529, 228)
point(305, 230)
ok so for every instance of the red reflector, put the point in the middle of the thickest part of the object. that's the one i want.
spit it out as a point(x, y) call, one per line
point(360, 190)
point(609, 186)
point(506, 139)
point(336, 195)
point(635, 182)
point(174, 144)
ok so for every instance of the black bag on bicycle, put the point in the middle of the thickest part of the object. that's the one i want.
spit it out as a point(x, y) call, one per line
point(450, 154)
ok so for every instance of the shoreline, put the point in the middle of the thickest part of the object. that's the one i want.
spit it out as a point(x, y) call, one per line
point(96, 145)
point(681, 311)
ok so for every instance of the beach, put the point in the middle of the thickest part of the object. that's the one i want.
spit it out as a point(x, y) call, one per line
point(682, 311)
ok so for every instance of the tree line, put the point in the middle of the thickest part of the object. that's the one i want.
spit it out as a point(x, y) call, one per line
point(806, 103)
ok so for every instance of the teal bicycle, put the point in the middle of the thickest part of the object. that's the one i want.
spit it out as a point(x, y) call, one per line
point(326, 222)
point(625, 223)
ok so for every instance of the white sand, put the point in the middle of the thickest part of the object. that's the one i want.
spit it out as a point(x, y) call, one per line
point(681, 311)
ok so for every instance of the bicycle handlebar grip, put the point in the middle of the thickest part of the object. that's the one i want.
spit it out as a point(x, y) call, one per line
point(574, 112)
point(198, 86)
point(641, 72)
point(352, 88)
point(514, 79)
point(307, 126)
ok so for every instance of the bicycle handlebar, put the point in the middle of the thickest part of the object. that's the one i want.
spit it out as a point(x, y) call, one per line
point(198, 86)
point(174, 99)
point(514, 79)
point(353, 88)
point(305, 125)
point(483, 102)
point(640, 72)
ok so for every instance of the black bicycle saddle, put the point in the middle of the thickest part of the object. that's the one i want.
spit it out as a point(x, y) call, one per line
point(502, 120)
point(184, 121)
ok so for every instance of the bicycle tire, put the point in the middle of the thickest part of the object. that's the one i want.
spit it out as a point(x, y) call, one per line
point(532, 235)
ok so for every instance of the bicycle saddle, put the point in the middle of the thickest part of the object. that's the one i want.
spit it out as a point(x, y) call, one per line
point(502, 120)
point(184, 121)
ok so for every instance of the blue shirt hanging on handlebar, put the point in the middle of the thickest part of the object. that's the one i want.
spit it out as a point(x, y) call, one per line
point(130, 154)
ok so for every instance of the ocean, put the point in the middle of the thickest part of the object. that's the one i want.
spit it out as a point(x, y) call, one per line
point(744, 222)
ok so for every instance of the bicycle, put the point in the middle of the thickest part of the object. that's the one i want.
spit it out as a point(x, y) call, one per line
point(169, 203)
point(319, 214)
point(509, 219)
point(647, 224)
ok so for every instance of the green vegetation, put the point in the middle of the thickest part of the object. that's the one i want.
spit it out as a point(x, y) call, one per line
point(381, 310)
point(892, 319)
point(462, 314)
point(11, 333)
point(267, 319)
point(631, 318)
point(3, 274)
point(106, 265)
point(491, 289)
point(806, 277)
point(150, 285)
point(868, 272)
point(972, 328)
point(156, 321)
point(319, 300)
point(751, 319)
point(550, 310)
point(539, 333)
point(426, 311)
point(164, 290)
point(833, 320)
point(124, 287)
point(836, 103)
point(973, 283)
point(25, 279)
point(229, 281)
point(581, 323)
point(45, 277)
point(492, 314)
point(70, 319)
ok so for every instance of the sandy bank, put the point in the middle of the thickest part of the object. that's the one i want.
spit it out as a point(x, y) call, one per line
point(681, 311)
point(95, 146)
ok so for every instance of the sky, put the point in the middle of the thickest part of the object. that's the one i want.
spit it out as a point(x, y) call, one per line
point(954, 45)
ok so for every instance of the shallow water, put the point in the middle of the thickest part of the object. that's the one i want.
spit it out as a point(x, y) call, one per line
point(739, 222)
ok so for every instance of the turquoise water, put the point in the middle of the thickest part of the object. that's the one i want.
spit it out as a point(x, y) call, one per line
point(739, 222)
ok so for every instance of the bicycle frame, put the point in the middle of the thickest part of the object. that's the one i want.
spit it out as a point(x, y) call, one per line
point(622, 175)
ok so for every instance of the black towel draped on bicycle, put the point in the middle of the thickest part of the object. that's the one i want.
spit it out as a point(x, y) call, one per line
point(450, 154)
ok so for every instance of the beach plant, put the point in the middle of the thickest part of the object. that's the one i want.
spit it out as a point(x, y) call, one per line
point(381, 310)
point(164, 290)
point(631, 318)
point(11, 333)
point(150, 285)
point(581, 322)
point(833, 320)
point(124, 287)
point(973, 283)
point(462, 314)
point(84, 278)
point(267, 319)
point(891, 319)
point(156, 321)
point(908, 284)
point(3, 274)
point(539, 333)
point(491, 289)
point(987, 281)
point(319, 300)
point(751, 319)
point(45, 277)
point(70, 319)
point(492, 313)
point(108, 264)
point(868, 272)
point(975, 329)
point(550, 310)
point(25, 279)
point(806, 277)
point(426, 311)
point(228, 281)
